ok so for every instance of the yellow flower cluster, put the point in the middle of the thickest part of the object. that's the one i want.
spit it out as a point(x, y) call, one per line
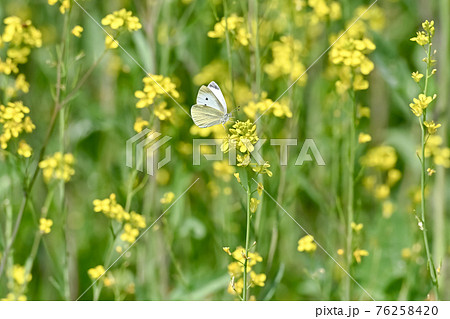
point(242, 137)
point(167, 198)
point(322, 10)
point(96, 272)
point(64, 5)
point(132, 221)
point(235, 25)
point(439, 153)
point(420, 104)
point(45, 225)
point(77, 30)
point(381, 161)
point(424, 37)
point(14, 121)
point(19, 278)
point(358, 253)
point(236, 270)
point(286, 55)
point(19, 275)
point(58, 167)
point(122, 19)
point(278, 108)
point(307, 244)
point(155, 87)
point(21, 36)
point(139, 124)
point(119, 21)
point(350, 54)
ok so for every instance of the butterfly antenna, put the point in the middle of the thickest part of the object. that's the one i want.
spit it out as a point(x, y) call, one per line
point(236, 109)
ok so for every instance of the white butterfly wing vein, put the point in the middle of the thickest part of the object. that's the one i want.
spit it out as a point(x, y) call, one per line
point(207, 97)
point(219, 95)
point(206, 116)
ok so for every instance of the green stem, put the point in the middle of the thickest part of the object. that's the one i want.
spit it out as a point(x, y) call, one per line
point(247, 242)
point(430, 262)
point(350, 192)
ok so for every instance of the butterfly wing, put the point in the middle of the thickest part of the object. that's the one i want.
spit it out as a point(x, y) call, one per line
point(218, 94)
point(206, 116)
point(207, 97)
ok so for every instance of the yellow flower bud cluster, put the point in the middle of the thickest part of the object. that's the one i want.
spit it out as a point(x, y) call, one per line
point(307, 244)
point(350, 53)
point(58, 167)
point(14, 121)
point(267, 106)
point(64, 5)
point(132, 221)
point(286, 55)
point(155, 87)
point(235, 25)
point(120, 21)
point(21, 36)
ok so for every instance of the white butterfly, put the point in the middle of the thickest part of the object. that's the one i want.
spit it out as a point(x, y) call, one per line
point(211, 108)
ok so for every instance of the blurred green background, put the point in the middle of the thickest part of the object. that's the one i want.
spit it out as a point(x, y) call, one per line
point(181, 256)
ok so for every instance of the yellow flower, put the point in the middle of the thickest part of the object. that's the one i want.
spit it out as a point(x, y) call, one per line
point(96, 272)
point(14, 121)
point(111, 208)
point(77, 30)
point(140, 124)
point(260, 189)
point(356, 227)
point(19, 275)
point(421, 38)
point(340, 251)
point(58, 166)
point(227, 250)
point(262, 169)
point(286, 55)
point(257, 279)
point(420, 104)
point(167, 198)
point(431, 171)
point(111, 43)
point(235, 25)
point(417, 76)
point(381, 157)
point(21, 84)
point(64, 5)
point(24, 149)
point(307, 244)
point(364, 111)
point(161, 112)
point(129, 233)
point(45, 225)
point(266, 106)
point(237, 177)
point(155, 87)
point(13, 297)
point(358, 253)
point(364, 138)
point(431, 126)
point(243, 137)
point(122, 19)
point(254, 204)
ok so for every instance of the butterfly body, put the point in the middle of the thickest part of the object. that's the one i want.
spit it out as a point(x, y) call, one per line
point(211, 108)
